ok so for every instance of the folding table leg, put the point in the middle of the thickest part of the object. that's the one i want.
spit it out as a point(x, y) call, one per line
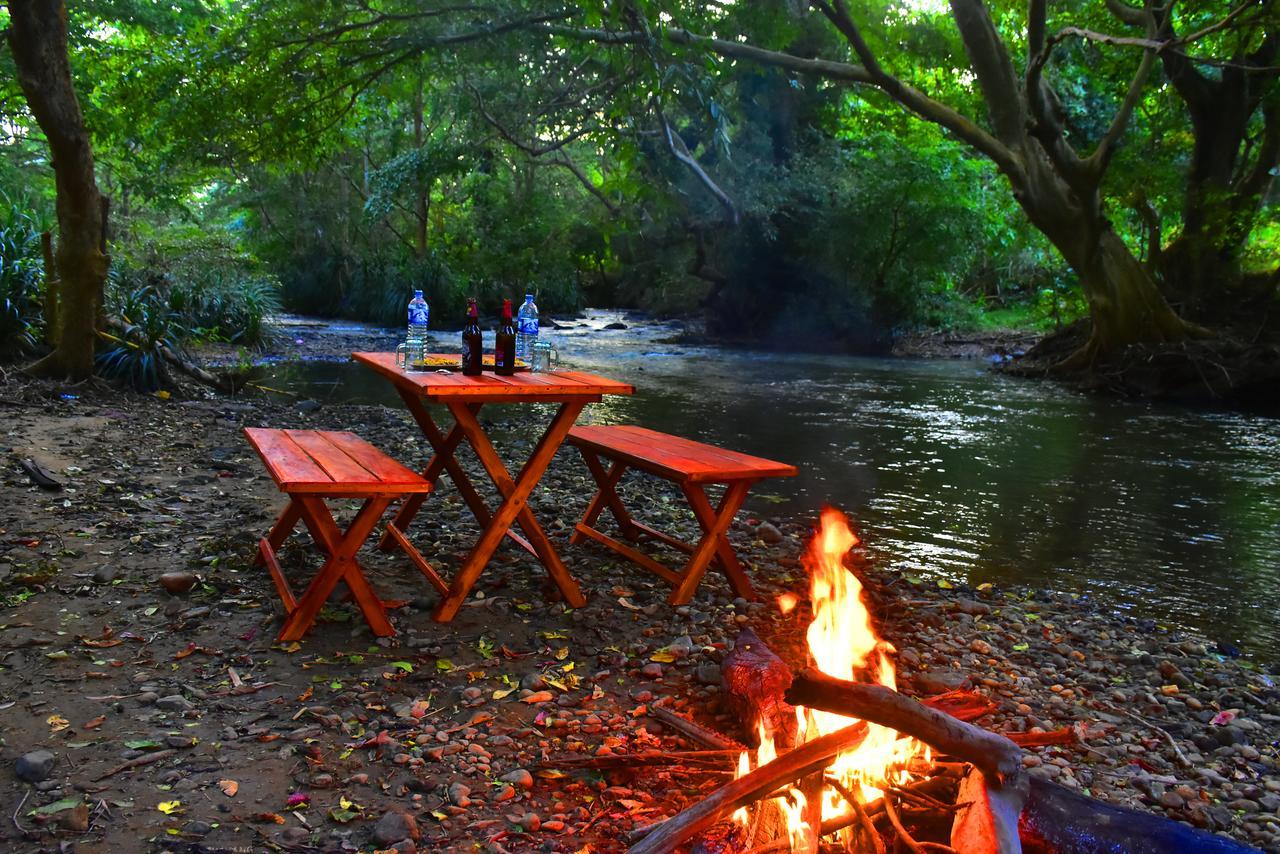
point(281, 530)
point(444, 447)
point(341, 566)
point(515, 494)
point(606, 496)
point(714, 523)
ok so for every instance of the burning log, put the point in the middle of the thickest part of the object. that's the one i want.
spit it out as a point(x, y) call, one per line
point(988, 823)
point(755, 679)
point(995, 755)
point(806, 759)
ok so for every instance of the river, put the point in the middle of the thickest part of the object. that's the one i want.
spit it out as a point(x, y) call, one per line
point(953, 473)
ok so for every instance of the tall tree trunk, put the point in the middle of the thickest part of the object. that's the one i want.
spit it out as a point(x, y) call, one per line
point(38, 41)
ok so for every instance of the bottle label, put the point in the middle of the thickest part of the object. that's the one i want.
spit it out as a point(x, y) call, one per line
point(418, 314)
point(528, 326)
point(466, 357)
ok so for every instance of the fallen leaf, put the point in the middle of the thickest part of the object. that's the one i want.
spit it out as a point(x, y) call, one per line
point(95, 723)
point(229, 787)
point(56, 806)
point(343, 816)
point(269, 817)
point(663, 656)
point(538, 697)
point(169, 807)
point(622, 600)
point(562, 653)
point(57, 722)
point(502, 692)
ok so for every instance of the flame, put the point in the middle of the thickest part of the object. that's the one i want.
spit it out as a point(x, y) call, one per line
point(843, 644)
point(787, 603)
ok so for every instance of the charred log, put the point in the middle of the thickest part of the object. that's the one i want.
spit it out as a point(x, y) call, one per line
point(755, 680)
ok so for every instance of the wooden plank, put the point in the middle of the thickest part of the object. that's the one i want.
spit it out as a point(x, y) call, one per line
point(285, 461)
point(529, 387)
point(388, 470)
point(711, 453)
point(267, 555)
point(416, 558)
point(336, 463)
point(695, 461)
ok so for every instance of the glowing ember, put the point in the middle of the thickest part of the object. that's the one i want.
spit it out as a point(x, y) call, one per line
point(843, 644)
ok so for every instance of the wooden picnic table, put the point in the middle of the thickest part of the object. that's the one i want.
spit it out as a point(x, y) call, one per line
point(463, 396)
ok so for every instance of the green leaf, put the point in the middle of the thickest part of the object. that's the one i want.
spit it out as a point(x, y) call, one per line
point(142, 745)
point(444, 665)
point(57, 806)
point(402, 665)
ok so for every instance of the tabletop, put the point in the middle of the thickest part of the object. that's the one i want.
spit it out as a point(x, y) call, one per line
point(523, 386)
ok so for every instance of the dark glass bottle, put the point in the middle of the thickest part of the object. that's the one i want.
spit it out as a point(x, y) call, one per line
point(504, 345)
point(472, 342)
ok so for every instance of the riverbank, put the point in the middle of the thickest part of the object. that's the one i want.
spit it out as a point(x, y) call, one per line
point(441, 733)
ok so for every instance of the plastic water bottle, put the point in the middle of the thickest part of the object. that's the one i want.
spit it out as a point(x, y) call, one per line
point(419, 312)
point(526, 329)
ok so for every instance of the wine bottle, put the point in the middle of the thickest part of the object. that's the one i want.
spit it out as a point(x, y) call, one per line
point(504, 345)
point(472, 342)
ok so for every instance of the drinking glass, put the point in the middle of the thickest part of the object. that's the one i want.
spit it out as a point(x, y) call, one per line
point(544, 358)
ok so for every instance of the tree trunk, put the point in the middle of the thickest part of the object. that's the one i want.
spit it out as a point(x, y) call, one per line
point(38, 41)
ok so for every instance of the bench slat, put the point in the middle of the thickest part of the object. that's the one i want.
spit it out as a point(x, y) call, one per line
point(286, 462)
point(331, 463)
point(388, 470)
point(710, 454)
point(338, 465)
point(674, 457)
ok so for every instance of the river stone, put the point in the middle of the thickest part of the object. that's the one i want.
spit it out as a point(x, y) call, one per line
point(769, 533)
point(35, 766)
point(174, 703)
point(396, 826)
point(105, 574)
point(519, 777)
point(941, 681)
point(615, 325)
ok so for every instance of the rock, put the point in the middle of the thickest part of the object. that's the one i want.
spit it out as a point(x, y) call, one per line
point(505, 794)
point(769, 533)
point(198, 828)
point(35, 766)
point(941, 681)
point(174, 703)
point(1228, 735)
point(458, 794)
point(972, 607)
point(652, 670)
point(307, 405)
point(680, 648)
point(615, 325)
point(1172, 800)
point(75, 819)
point(530, 821)
point(980, 646)
point(105, 574)
point(707, 674)
point(519, 777)
point(533, 681)
point(396, 826)
point(178, 582)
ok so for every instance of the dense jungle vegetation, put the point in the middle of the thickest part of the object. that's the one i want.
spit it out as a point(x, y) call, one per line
point(822, 176)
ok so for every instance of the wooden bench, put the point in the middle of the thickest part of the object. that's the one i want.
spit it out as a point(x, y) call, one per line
point(688, 463)
point(311, 466)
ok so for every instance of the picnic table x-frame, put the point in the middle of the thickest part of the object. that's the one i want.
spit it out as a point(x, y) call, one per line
point(463, 396)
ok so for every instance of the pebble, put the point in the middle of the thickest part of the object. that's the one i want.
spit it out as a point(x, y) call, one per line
point(35, 766)
point(178, 582)
point(174, 703)
point(519, 777)
point(396, 826)
point(980, 646)
point(530, 821)
point(652, 670)
point(769, 533)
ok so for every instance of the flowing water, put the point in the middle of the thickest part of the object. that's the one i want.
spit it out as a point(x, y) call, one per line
point(952, 472)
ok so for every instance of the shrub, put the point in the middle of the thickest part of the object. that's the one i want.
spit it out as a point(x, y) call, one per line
point(21, 271)
point(133, 356)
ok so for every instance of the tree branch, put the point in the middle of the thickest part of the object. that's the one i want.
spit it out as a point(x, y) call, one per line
point(681, 153)
point(994, 70)
point(1096, 164)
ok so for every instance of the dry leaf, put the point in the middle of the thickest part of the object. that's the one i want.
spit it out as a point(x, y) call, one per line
point(57, 722)
point(96, 722)
point(229, 787)
point(169, 807)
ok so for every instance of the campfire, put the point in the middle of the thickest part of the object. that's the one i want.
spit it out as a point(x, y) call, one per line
point(842, 762)
point(838, 747)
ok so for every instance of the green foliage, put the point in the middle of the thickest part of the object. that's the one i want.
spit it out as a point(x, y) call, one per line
point(21, 273)
point(133, 357)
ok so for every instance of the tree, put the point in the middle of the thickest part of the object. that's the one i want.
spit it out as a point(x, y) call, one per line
point(37, 38)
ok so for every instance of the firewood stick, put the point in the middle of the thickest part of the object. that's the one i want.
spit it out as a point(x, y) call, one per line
point(693, 731)
point(997, 756)
point(830, 826)
point(907, 839)
point(806, 759)
point(863, 819)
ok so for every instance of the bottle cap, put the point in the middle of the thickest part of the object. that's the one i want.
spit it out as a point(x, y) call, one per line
point(528, 297)
point(417, 292)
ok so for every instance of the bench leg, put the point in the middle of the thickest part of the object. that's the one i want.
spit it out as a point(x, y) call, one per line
point(713, 542)
point(514, 507)
point(606, 496)
point(341, 566)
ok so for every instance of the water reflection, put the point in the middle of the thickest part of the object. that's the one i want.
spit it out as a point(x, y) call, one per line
point(954, 473)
